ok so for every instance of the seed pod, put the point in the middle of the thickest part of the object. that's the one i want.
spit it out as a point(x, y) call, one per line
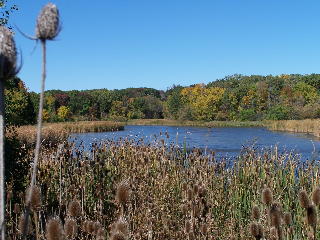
point(316, 196)
point(123, 192)
point(255, 213)
point(74, 209)
point(304, 199)
point(48, 24)
point(8, 54)
point(70, 228)
point(287, 218)
point(312, 215)
point(267, 197)
point(35, 200)
point(54, 230)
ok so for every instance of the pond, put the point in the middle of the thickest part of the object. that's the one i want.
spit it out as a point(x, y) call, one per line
point(226, 142)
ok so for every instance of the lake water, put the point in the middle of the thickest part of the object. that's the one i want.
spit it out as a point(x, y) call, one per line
point(226, 142)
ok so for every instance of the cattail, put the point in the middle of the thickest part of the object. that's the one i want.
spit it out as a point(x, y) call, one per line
point(8, 54)
point(123, 193)
point(256, 230)
point(118, 236)
point(195, 189)
point(54, 230)
point(304, 199)
point(74, 209)
point(48, 24)
point(255, 213)
point(273, 234)
point(204, 228)
point(287, 218)
point(189, 194)
point(122, 226)
point(267, 197)
point(316, 196)
point(21, 224)
point(312, 215)
point(100, 234)
point(70, 228)
point(35, 200)
point(187, 227)
point(16, 208)
point(275, 214)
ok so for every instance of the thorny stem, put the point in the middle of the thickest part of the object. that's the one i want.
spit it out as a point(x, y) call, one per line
point(38, 143)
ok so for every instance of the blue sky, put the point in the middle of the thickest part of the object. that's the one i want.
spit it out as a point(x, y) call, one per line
point(157, 43)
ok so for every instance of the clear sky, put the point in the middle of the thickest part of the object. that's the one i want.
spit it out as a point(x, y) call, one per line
point(157, 43)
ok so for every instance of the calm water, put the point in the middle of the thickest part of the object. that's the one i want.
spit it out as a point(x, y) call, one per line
point(226, 142)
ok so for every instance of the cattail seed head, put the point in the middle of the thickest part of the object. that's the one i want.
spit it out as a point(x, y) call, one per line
point(287, 218)
point(21, 224)
point(304, 199)
point(122, 226)
point(316, 196)
point(267, 197)
point(74, 209)
point(8, 54)
point(54, 230)
point(187, 227)
point(255, 213)
point(312, 215)
point(118, 236)
point(48, 23)
point(70, 228)
point(123, 193)
point(35, 200)
point(189, 194)
point(275, 214)
point(256, 230)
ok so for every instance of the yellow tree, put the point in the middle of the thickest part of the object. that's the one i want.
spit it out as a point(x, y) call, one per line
point(203, 101)
point(63, 113)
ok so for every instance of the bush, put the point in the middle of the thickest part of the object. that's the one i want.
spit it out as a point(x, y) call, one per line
point(279, 113)
point(247, 115)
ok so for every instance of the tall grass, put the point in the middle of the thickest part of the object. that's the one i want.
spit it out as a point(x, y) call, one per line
point(170, 190)
point(309, 126)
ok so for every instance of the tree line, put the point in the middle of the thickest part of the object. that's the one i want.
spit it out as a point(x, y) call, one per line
point(234, 98)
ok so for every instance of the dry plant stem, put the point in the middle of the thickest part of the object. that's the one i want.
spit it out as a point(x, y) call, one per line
point(38, 143)
point(2, 192)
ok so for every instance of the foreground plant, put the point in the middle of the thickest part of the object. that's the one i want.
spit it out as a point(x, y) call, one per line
point(8, 69)
point(47, 28)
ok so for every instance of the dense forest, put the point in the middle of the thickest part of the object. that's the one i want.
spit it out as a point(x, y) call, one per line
point(235, 97)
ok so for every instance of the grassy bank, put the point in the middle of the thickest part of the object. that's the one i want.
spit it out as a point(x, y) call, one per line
point(309, 126)
point(169, 122)
point(55, 133)
point(162, 193)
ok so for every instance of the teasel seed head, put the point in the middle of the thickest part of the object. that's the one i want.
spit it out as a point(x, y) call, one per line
point(312, 215)
point(273, 233)
point(287, 218)
point(256, 230)
point(8, 54)
point(123, 193)
point(118, 236)
point(267, 197)
point(122, 226)
point(54, 230)
point(21, 224)
point(48, 23)
point(304, 199)
point(316, 196)
point(74, 208)
point(204, 228)
point(16, 209)
point(35, 200)
point(187, 226)
point(255, 212)
point(189, 194)
point(101, 234)
point(70, 228)
point(275, 214)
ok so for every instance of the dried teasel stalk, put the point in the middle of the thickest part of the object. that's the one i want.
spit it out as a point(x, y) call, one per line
point(8, 57)
point(48, 23)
